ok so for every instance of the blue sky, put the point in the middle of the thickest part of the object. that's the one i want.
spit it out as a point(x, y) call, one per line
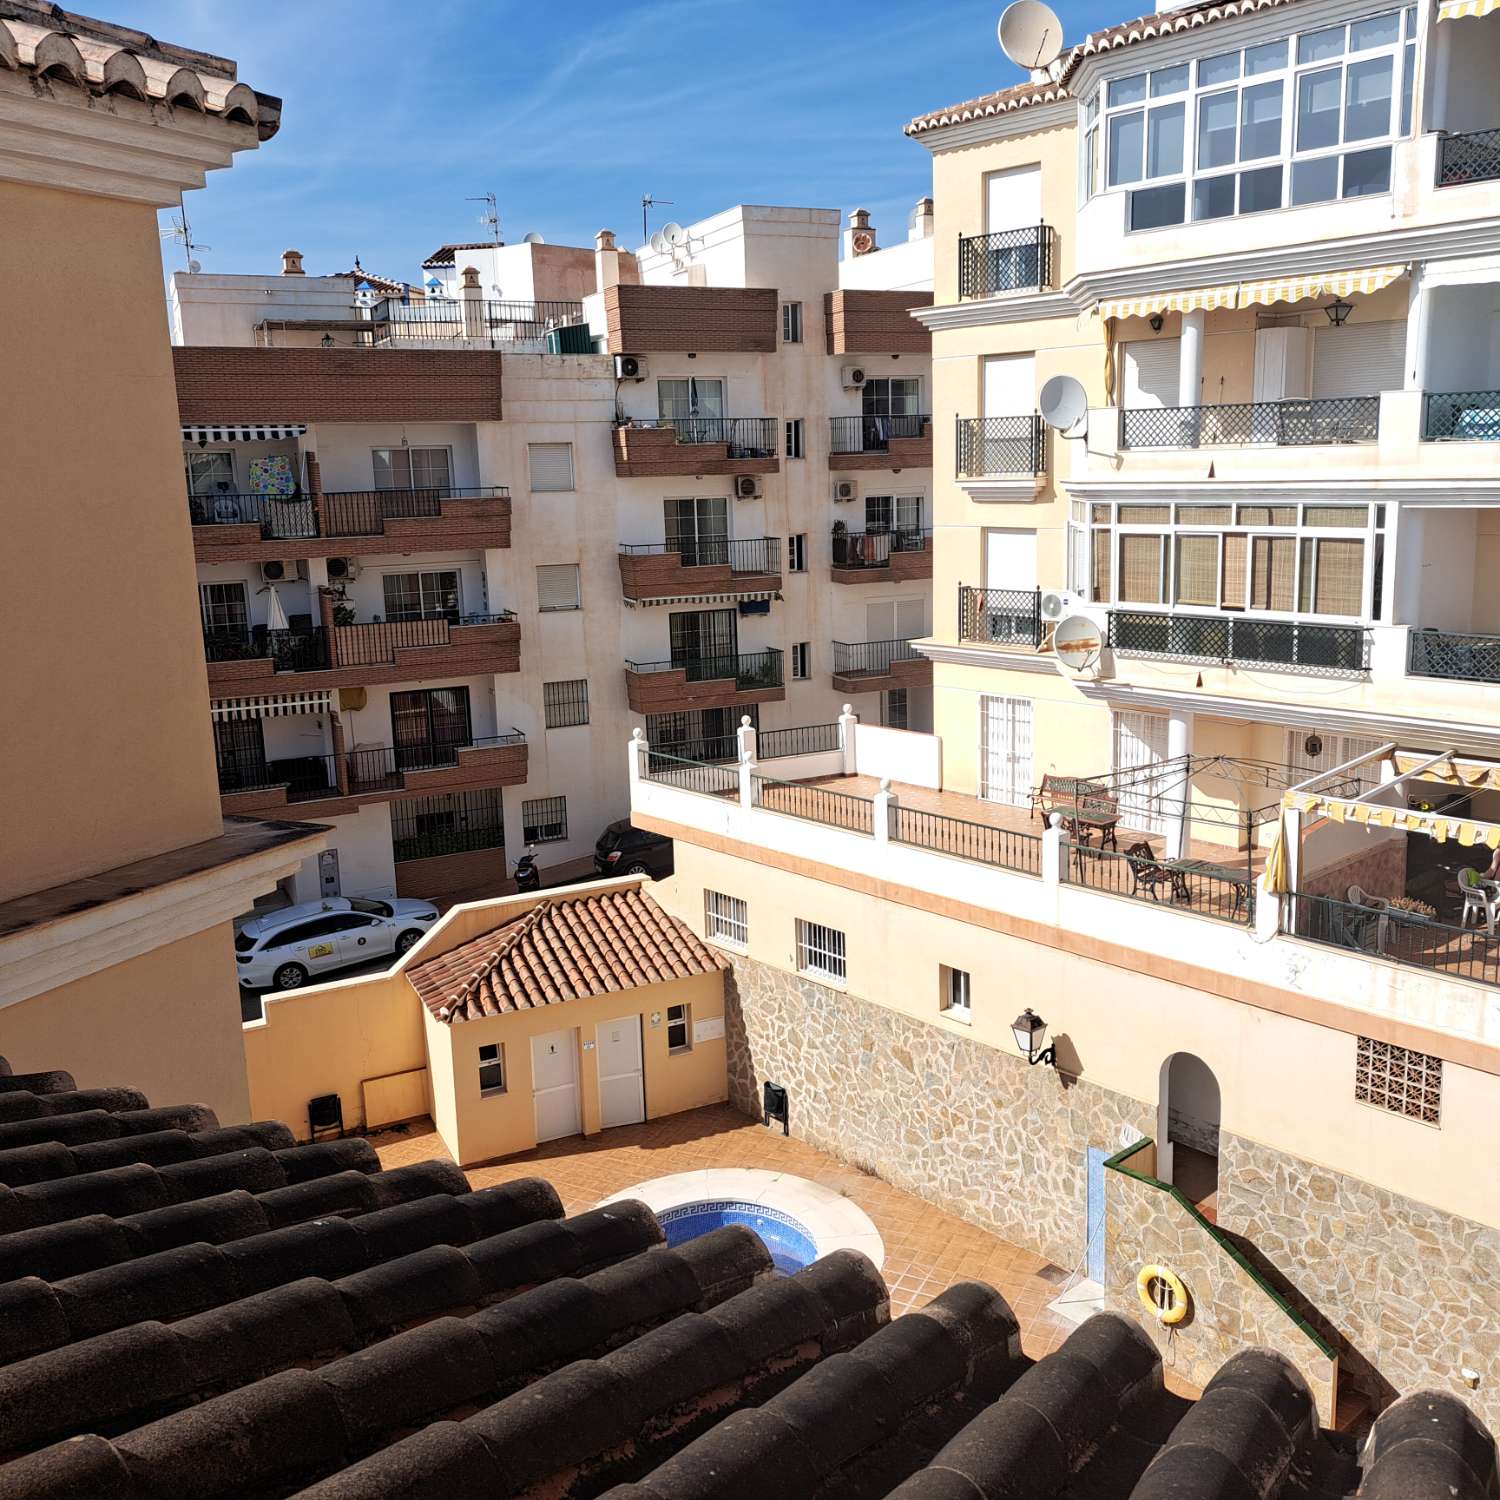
point(396, 112)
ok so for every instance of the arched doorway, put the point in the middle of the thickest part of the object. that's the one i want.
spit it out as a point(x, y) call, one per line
point(1187, 1130)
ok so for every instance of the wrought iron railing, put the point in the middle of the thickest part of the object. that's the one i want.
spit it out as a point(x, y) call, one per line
point(1287, 645)
point(873, 434)
point(1005, 848)
point(708, 749)
point(1141, 875)
point(750, 670)
point(804, 739)
point(761, 554)
point(280, 517)
point(871, 658)
point(348, 513)
point(1461, 416)
point(1472, 157)
point(291, 650)
point(497, 322)
point(692, 775)
point(1291, 424)
point(1463, 658)
point(873, 549)
point(818, 804)
point(745, 437)
point(1001, 445)
point(1000, 617)
point(1014, 260)
point(372, 642)
point(452, 823)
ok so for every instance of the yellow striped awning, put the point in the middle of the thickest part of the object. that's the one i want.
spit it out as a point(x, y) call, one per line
point(1207, 297)
point(1323, 284)
point(1456, 10)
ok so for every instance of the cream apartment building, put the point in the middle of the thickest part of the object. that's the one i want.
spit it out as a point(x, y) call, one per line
point(1170, 948)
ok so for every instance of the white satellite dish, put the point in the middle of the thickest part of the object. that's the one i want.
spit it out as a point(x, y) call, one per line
point(1030, 34)
point(195, 266)
point(1063, 401)
point(533, 239)
point(658, 242)
point(674, 234)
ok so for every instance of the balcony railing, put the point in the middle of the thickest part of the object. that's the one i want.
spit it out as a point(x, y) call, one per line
point(801, 739)
point(291, 650)
point(871, 658)
point(312, 778)
point(1015, 260)
point(745, 437)
point(1474, 157)
point(392, 320)
point(1288, 645)
point(761, 554)
point(1461, 658)
point(750, 670)
point(1462, 417)
point(1001, 445)
point(279, 517)
point(1000, 617)
point(1287, 424)
point(369, 643)
point(873, 549)
point(346, 513)
point(873, 434)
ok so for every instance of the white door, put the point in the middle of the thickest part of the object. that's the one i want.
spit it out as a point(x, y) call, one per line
point(1151, 373)
point(1140, 743)
point(1359, 359)
point(1005, 749)
point(1332, 750)
point(1009, 385)
point(622, 1089)
point(1013, 199)
point(1009, 559)
point(554, 1084)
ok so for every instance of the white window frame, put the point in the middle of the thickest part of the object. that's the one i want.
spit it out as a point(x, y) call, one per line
point(726, 920)
point(791, 322)
point(550, 489)
point(957, 991)
point(225, 588)
point(408, 453)
point(796, 552)
point(801, 661)
point(679, 1016)
point(895, 708)
point(492, 1057)
point(428, 589)
point(796, 437)
point(822, 952)
point(216, 453)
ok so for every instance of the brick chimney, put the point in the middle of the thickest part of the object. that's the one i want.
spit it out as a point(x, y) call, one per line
point(606, 260)
point(291, 263)
point(859, 237)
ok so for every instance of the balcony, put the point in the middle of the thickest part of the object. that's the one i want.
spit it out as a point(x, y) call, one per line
point(1000, 617)
point(1283, 424)
point(878, 666)
point(1280, 645)
point(321, 786)
point(881, 556)
point(1474, 157)
point(1461, 416)
point(520, 327)
point(1015, 260)
point(868, 442)
point(357, 655)
point(1003, 453)
point(696, 446)
point(656, 687)
point(658, 571)
point(1454, 657)
point(243, 527)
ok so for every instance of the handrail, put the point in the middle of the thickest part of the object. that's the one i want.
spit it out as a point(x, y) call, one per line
point(1459, 656)
point(332, 513)
point(873, 549)
point(872, 657)
point(1290, 423)
point(1461, 416)
point(873, 433)
point(1287, 645)
point(739, 554)
point(1011, 260)
point(1472, 156)
point(745, 437)
point(1000, 617)
point(752, 669)
point(984, 843)
point(988, 446)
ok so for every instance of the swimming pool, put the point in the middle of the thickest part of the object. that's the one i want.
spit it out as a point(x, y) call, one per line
point(789, 1241)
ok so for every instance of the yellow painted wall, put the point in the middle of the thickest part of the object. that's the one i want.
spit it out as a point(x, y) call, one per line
point(166, 1022)
point(105, 739)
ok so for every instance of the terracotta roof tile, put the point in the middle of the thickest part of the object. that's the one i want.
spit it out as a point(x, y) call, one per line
point(444, 254)
point(1003, 101)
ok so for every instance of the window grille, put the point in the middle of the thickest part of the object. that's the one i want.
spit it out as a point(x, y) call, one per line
point(566, 703)
point(544, 820)
point(1399, 1080)
point(821, 951)
point(726, 918)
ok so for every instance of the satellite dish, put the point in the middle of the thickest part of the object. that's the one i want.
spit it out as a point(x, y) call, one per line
point(658, 242)
point(1063, 401)
point(1030, 34)
point(1077, 642)
point(674, 234)
point(533, 239)
point(195, 266)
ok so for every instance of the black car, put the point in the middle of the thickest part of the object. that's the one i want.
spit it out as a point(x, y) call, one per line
point(626, 850)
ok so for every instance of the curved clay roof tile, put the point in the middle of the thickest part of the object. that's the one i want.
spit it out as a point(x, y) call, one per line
point(186, 87)
point(238, 103)
point(54, 55)
point(123, 74)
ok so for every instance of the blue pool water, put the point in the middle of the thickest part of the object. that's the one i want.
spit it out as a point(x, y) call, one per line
point(791, 1246)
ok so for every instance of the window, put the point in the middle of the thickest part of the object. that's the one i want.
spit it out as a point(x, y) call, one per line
point(955, 984)
point(726, 919)
point(1331, 576)
point(427, 725)
point(893, 709)
point(679, 1028)
point(697, 530)
point(491, 1069)
point(450, 823)
point(551, 466)
point(411, 468)
point(893, 512)
point(821, 951)
point(210, 473)
point(695, 407)
point(557, 586)
point(794, 438)
point(1141, 563)
point(566, 703)
point(791, 322)
point(226, 610)
point(801, 660)
point(423, 596)
point(796, 553)
point(894, 396)
point(544, 820)
point(702, 734)
point(1399, 1080)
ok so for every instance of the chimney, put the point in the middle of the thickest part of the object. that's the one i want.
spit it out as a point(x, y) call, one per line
point(921, 220)
point(606, 260)
point(291, 263)
point(859, 237)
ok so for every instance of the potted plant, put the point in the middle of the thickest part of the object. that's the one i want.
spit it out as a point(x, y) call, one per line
point(840, 544)
point(343, 613)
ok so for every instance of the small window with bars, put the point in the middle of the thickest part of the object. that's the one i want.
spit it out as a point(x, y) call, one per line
point(491, 1069)
point(566, 703)
point(679, 1028)
point(1399, 1080)
point(821, 951)
point(544, 820)
point(726, 919)
point(449, 823)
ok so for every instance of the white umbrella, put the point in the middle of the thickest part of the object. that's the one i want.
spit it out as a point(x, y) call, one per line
point(275, 614)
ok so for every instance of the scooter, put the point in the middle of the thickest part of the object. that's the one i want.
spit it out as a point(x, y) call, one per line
point(528, 877)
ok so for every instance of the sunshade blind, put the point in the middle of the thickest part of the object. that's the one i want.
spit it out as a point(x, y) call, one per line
point(1140, 570)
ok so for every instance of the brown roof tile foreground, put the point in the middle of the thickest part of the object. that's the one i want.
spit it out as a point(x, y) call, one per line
point(563, 949)
point(195, 1312)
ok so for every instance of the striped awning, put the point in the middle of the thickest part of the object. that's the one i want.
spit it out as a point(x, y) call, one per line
point(1323, 284)
point(704, 598)
point(273, 705)
point(243, 432)
point(1207, 297)
point(1456, 10)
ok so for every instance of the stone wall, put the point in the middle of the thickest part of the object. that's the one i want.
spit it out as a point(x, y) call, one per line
point(1379, 870)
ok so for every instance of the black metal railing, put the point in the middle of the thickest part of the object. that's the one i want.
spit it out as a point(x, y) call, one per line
point(1288, 645)
point(1402, 937)
point(448, 823)
point(1463, 658)
point(745, 437)
point(1288, 424)
point(280, 517)
point(804, 739)
point(1014, 260)
point(345, 513)
point(713, 749)
point(1001, 445)
point(1004, 848)
point(691, 774)
point(1227, 895)
point(1472, 157)
point(871, 658)
point(1461, 416)
point(873, 434)
point(817, 804)
point(291, 650)
point(873, 549)
point(1000, 617)
point(750, 670)
point(498, 322)
point(761, 554)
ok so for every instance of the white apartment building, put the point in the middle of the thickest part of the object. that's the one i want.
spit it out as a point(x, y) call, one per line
point(456, 540)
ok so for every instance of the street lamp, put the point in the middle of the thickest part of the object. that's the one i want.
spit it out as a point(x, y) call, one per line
point(1029, 1029)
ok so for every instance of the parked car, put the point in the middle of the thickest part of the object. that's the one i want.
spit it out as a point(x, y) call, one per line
point(624, 849)
point(285, 948)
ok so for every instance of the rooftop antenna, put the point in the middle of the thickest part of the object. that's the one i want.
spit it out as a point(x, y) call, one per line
point(181, 233)
point(490, 218)
point(647, 204)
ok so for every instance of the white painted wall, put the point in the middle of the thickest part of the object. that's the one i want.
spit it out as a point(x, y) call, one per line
point(916, 759)
point(216, 309)
point(363, 839)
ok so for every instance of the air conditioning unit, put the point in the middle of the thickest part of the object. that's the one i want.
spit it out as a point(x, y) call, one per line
point(280, 572)
point(1058, 604)
point(630, 367)
point(844, 491)
point(746, 487)
point(342, 569)
point(853, 377)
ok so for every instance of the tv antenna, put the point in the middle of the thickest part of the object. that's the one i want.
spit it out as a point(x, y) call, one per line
point(647, 204)
point(490, 218)
point(180, 232)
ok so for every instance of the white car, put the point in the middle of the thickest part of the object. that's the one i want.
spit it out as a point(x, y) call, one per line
point(285, 948)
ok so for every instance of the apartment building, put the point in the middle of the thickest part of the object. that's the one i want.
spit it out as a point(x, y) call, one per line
point(455, 540)
point(1172, 948)
point(119, 871)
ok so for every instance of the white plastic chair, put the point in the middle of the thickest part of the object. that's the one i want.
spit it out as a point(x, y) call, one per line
point(1481, 899)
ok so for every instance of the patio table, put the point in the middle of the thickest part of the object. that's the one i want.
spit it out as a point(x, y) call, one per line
point(1239, 879)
